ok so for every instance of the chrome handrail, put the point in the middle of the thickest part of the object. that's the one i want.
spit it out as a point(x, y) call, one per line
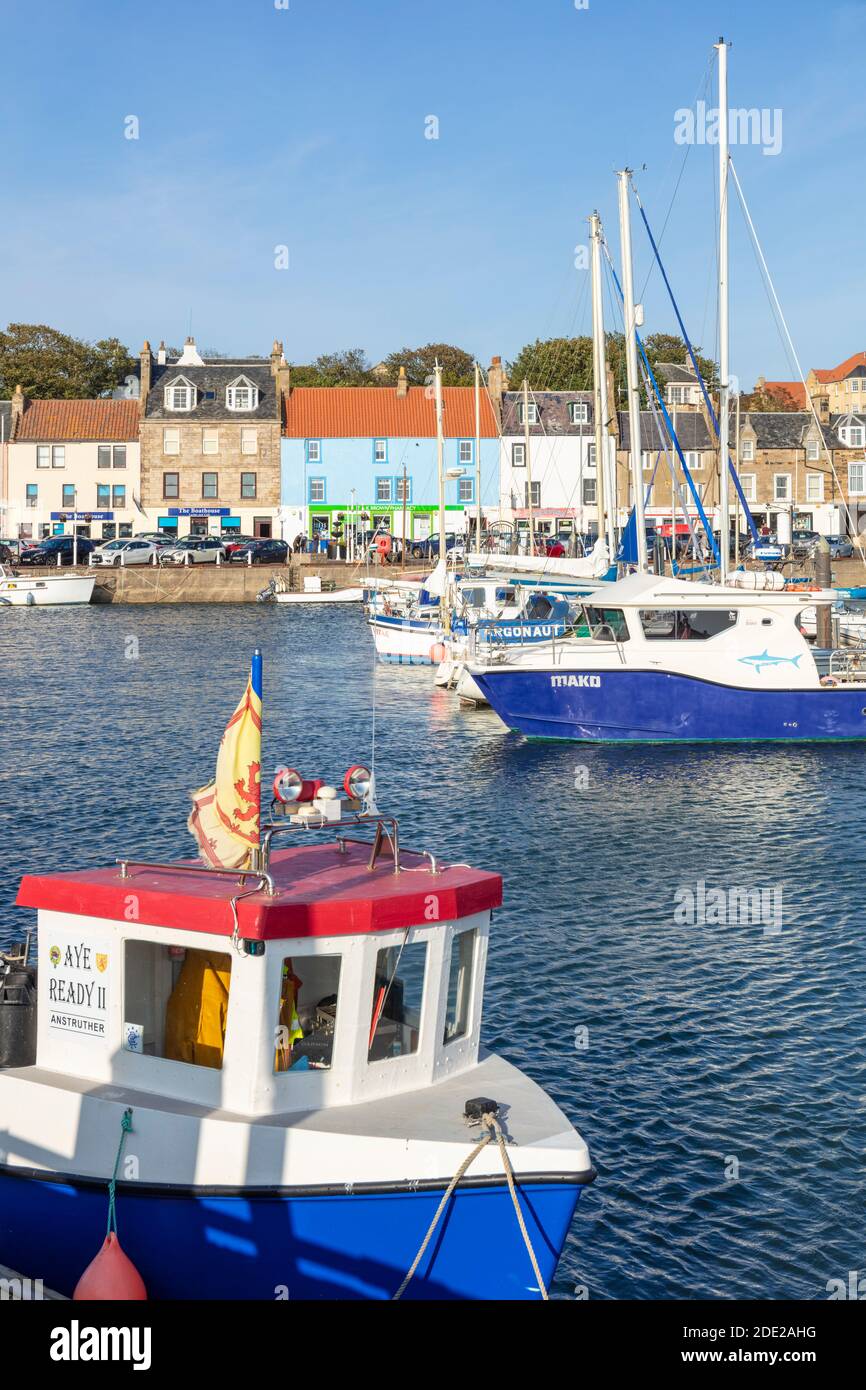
point(240, 874)
point(358, 819)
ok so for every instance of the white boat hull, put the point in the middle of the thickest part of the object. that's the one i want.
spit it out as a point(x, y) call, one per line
point(324, 596)
point(27, 591)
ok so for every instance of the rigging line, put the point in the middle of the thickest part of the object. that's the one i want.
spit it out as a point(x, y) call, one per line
point(691, 352)
point(783, 320)
point(702, 88)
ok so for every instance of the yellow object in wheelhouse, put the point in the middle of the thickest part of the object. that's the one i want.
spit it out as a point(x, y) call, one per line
point(195, 1016)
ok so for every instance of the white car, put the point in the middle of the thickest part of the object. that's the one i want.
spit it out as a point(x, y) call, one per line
point(202, 550)
point(133, 551)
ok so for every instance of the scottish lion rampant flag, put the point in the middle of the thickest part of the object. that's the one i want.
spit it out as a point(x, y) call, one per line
point(226, 813)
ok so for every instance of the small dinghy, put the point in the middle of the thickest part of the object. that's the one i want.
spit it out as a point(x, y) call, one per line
point(289, 1041)
point(313, 592)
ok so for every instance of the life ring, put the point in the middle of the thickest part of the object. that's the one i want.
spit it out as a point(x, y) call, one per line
point(383, 545)
point(829, 682)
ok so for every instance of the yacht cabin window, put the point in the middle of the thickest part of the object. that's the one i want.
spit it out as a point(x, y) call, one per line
point(398, 991)
point(307, 1013)
point(459, 995)
point(175, 1002)
point(606, 624)
point(669, 625)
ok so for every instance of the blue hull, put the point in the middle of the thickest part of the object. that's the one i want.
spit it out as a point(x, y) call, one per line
point(355, 1245)
point(623, 706)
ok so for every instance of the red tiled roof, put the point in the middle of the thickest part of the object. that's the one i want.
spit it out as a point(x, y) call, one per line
point(371, 412)
point(100, 419)
point(844, 369)
point(795, 389)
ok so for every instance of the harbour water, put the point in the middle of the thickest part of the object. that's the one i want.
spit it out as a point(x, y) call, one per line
point(715, 1067)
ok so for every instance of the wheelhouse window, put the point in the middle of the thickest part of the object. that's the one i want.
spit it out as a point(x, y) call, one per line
point(677, 625)
point(459, 997)
point(606, 624)
point(175, 1002)
point(307, 1013)
point(398, 993)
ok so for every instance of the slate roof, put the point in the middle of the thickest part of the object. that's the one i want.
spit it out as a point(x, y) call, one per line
point(215, 377)
point(690, 425)
point(71, 420)
point(676, 372)
point(785, 429)
point(553, 416)
point(377, 412)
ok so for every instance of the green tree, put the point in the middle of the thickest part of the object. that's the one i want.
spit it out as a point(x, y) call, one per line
point(53, 365)
point(668, 347)
point(347, 368)
point(458, 367)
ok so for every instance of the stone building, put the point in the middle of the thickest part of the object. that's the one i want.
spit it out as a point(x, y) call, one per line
point(210, 442)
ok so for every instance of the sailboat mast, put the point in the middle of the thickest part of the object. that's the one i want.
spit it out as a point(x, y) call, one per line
point(477, 456)
point(528, 466)
point(724, 363)
point(440, 462)
point(624, 175)
point(599, 387)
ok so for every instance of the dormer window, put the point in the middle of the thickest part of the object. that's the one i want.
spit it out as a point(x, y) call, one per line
point(180, 394)
point(242, 395)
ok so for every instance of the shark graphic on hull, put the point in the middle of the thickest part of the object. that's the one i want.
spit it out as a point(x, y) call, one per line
point(764, 659)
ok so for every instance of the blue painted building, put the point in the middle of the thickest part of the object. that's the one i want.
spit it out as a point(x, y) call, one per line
point(348, 450)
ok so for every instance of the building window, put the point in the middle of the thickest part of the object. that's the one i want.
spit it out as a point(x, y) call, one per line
point(314, 451)
point(814, 487)
point(249, 441)
point(32, 494)
point(43, 456)
point(855, 479)
point(171, 440)
point(536, 494)
point(518, 456)
point(855, 384)
point(210, 485)
point(380, 450)
point(180, 396)
point(307, 1014)
point(175, 1002)
point(589, 494)
point(466, 490)
point(403, 485)
point(248, 485)
point(678, 395)
point(58, 455)
point(210, 441)
point(813, 451)
point(103, 496)
point(459, 996)
point(383, 490)
point(648, 459)
point(242, 395)
point(747, 450)
point(317, 490)
point(103, 456)
point(118, 495)
point(747, 483)
point(578, 412)
point(781, 487)
point(694, 461)
point(171, 485)
point(530, 412)
point(118, 456)
point(464, 452)
point(69, 494)
point(397, 1001)
point(590, 455)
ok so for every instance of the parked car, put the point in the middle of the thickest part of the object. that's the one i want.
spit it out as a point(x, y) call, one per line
point(804, 542)
point(428, 548)
point(193, 550)
point(130, 551)
point(841, 548)
point(47, 551)
point(262, 551)
point(160, 538)
point(233, 540)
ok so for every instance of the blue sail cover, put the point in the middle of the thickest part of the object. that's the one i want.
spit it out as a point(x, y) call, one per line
point(627, 552)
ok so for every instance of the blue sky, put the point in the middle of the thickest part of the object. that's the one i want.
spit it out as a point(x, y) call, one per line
point(305, 127)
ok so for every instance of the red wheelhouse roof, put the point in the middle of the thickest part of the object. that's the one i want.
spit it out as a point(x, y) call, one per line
point(319, 893)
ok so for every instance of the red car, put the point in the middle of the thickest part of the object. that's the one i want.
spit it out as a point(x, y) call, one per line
point(232, 542)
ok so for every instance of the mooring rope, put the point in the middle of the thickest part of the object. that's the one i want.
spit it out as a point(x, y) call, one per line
point(494, 1130)
point(125, 1127)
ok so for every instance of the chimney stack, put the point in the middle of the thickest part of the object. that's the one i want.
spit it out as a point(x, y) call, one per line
point(190, 355)
point(146, 365)
point(17, 411)
point(402, 384)
point(276, 357)
point(160, 353)
point(497, 385)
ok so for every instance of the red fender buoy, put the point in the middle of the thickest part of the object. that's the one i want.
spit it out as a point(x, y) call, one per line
point(438, 653)
point(110, 1275)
